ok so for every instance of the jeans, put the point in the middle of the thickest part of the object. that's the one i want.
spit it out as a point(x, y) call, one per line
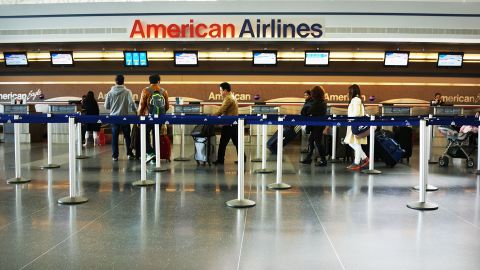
point(316, 138)
point(125, 129)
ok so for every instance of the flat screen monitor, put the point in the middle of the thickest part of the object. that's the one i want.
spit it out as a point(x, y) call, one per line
point(135, 58)
point(185, 58)
point(317, 58)
point(396, 59)
point(264, 58)
point(15, 59)
point(450, 59)
point(61, 58)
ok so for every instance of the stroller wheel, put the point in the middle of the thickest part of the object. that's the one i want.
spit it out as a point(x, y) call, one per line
point(443, 161)
point(470, 163)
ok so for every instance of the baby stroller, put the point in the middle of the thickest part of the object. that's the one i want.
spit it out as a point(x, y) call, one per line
point(458, 146)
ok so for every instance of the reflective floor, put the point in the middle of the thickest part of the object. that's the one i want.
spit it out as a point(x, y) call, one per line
point(330, 219)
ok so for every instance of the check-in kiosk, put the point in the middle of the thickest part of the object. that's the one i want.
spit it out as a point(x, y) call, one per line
point(396, 111)
point(179, 131)
point(59, 131)
point(264, 110)
point(446, 111)
point(28, 132)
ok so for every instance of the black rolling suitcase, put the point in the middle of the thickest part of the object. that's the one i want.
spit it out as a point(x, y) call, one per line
point(387, 148)
point(403, 135)
point(289, 134)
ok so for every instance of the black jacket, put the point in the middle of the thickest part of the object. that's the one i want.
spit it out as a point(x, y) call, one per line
point(318, 108)
point(90, 107)
point(306, 107)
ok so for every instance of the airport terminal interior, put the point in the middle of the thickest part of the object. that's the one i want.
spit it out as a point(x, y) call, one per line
point(67, 202)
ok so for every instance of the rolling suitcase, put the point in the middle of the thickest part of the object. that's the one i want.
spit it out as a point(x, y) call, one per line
point(165, 147)
point(403, 135)
point(289, 134)
point(387, 148)
point(205, 149)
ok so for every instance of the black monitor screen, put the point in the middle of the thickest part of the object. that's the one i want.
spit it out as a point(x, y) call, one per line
point(396, 59)
point(15, 59)
point(61, 58)
point(317, 58)
point(265, 58)
point(451, 59)
point(185, 58)
point(135, 59)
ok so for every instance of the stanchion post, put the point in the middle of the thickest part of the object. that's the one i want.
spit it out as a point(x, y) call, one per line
point(431, 160)
point(279, 184)
point(258, 157)
point(80, 155)
point(333, 158)
point(264, 150)
point(74, 197)
point(478, 150)
point(158, 166)
point(422, 204)
point(143, 158)
point(50, 164)
point(241, 202)
point(18, 179)
point(182, 143)
point(371, 164)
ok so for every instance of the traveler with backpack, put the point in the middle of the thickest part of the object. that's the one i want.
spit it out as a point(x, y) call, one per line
point(153, 100)
point(119, 101)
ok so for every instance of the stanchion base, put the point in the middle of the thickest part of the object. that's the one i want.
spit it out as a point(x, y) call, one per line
point(429, 188)
point(240, 203)
point(181, 159)
point(477, 172)
point(157, 169)
point(279, 186)
point(335, 161)
point(81, 157)
point(19, 180)
point(73, 200)
point(371, 171)
point(143, 183)
point(256, 160)
point(264, 171)
point(50, 166)
point(422, 206)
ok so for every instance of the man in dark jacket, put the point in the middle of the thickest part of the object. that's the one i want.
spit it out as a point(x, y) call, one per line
point(304, 112)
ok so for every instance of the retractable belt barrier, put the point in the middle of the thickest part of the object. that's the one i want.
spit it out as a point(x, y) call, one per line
point(241, 120)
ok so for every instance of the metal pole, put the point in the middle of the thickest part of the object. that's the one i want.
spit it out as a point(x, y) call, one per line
point(143, 158)
point(258, 157)
point(264, 150)
point(73, 197)
point(158, 167)
point(371, 165)
point(333, 158)
point(478, 150)
point(50, 164)
point(18, 159)
point(423, 172)
point(182, 143)
point(241, 202)
point(431, 160)
point(279, 184)
point(80, 155)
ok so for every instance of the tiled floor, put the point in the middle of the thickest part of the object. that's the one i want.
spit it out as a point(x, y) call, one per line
point(330, 219)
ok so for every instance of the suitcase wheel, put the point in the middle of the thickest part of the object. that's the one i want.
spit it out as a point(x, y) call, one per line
point(198, 163)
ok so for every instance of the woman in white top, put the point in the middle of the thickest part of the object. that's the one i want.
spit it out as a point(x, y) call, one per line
point(356, 109)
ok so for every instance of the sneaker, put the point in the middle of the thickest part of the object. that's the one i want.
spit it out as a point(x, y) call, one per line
point(130, 157)
point(150, 157)
point(306, 161)
point(321, 163)
point(351, 166)
point(115, 159)
point(355, 167)
point(364, 162)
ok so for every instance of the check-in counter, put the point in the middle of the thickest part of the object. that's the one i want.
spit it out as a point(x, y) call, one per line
point(60, 131)
point(185, 109)
point(29, 133)
point(438, 138)
point(264, 109)
point(396, 111)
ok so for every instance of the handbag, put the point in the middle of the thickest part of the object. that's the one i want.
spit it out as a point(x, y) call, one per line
point(361, 131)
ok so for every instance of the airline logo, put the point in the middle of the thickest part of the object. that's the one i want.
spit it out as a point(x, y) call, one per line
point(249, 29)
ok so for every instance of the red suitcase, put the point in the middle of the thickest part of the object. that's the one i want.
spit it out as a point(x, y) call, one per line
point(165, 147)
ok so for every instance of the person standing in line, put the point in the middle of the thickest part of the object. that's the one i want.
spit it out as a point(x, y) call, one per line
point(318, 108)
point(148, 106)
point(356, 109)
point(90, 107)
point(437, 101)
point(308, 130)
point(119, 101)
point(229, 107)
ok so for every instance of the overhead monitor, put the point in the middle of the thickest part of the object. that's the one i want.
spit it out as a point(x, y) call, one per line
point(317, 58)
point(450, 59)
point(185, 58)
point(61, 58)
point(135, 58)
point(396, 59)
point(264, 58)
point(15, 59)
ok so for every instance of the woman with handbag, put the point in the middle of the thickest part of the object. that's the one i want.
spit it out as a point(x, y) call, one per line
point(356, 109)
